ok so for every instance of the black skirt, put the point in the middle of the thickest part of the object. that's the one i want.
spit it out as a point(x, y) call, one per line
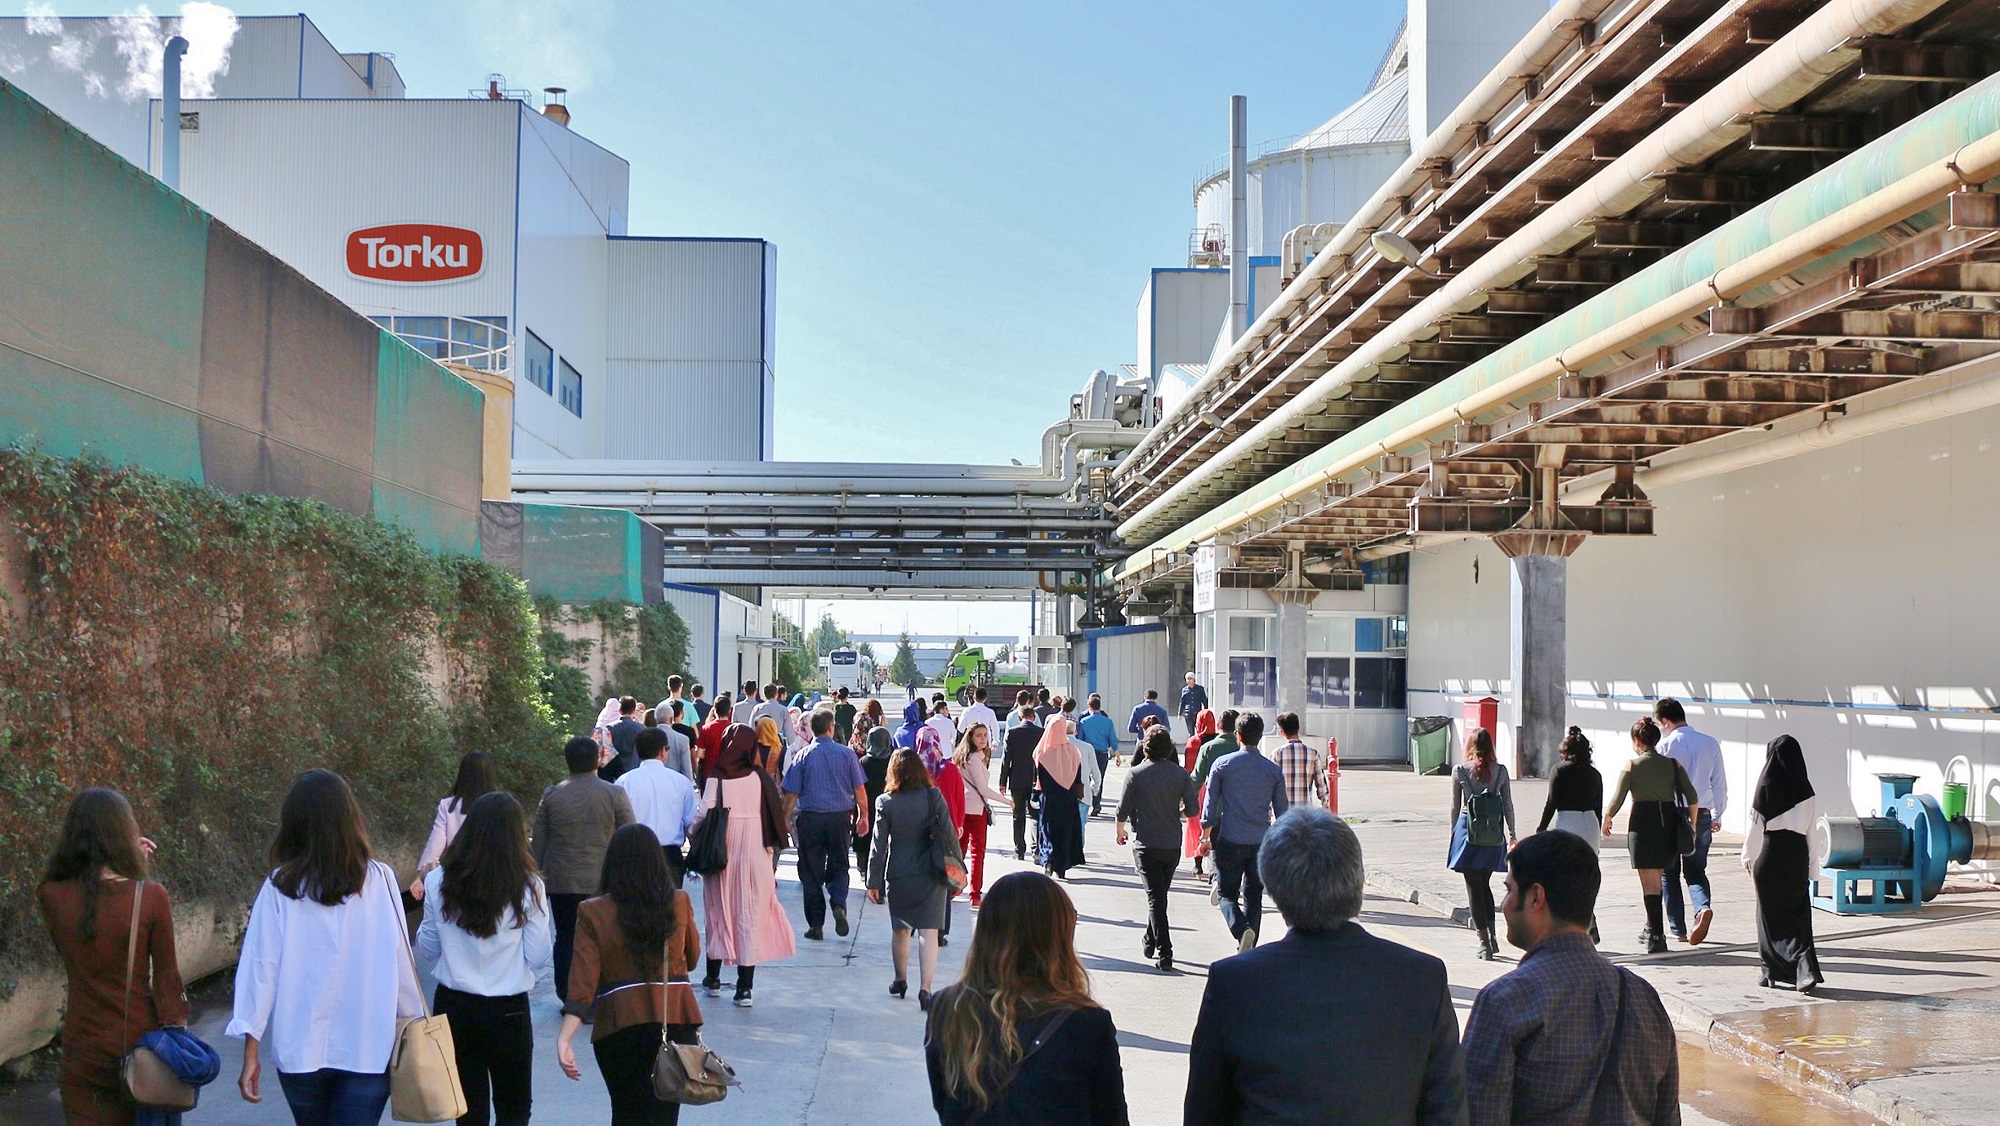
point(1783, 874)
point(1653, 837)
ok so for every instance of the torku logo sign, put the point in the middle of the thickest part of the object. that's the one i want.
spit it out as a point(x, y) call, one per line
point(415, 253)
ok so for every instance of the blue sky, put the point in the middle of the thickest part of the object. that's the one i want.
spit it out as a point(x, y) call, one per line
point(965, 196)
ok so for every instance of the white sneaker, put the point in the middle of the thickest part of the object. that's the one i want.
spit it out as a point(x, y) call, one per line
point(1214, 890)
point(1248, 941)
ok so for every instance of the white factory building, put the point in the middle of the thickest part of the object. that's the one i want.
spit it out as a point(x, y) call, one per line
point(467, 225)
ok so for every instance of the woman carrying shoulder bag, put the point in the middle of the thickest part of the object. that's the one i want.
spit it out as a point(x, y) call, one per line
point(87, 900)
point(325, 976)
point(1019, 1039)
point(635, 944)
point(747, 926)
point(486, 927)
point(911, 825)
point(1657, 785)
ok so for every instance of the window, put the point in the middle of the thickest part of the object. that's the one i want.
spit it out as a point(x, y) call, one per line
point(1328, 684)
point(1206, 630)
point(1249, 634)
point(1378, 682)
point(1393, 571)
point(570, 394)
point(1253, 681)
point(539, 361)
point(1368, 635)
point(1329, 633)
point(1398, 640)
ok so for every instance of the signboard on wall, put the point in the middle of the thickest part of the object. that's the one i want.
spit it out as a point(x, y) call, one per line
point(415, 253)
point(1204, 578)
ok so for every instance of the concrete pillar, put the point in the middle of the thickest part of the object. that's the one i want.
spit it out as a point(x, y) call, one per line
point(1536, 651)
point(1291, 656)
point(1180, 654)
point(496, 461)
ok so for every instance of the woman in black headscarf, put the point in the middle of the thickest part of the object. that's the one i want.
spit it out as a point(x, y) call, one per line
point(1775, 854)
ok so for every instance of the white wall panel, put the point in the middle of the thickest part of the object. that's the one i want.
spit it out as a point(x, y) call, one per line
point(685, 409)
point(1187, 309)
point(1126, 665)
point(701, 611)
point(322, 72)
point(1843, 596)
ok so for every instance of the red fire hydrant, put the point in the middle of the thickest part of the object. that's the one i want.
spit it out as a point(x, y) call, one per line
point(1333, 776)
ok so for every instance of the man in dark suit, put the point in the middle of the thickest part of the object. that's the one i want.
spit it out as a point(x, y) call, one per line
point(1329, 1024)
point(1017, 770)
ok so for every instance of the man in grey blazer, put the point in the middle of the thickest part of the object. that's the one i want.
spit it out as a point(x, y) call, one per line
point(1329, 1024)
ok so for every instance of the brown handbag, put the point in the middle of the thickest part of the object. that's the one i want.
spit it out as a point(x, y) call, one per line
point(145, 1076)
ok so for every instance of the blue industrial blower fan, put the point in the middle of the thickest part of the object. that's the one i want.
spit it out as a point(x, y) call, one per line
point(1901, 855)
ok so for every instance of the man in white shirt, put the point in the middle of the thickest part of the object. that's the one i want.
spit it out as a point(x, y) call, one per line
point(940, 722)
point(982, 715)
point(662, 800)
point(1701, 756)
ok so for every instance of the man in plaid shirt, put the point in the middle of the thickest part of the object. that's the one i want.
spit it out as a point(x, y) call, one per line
point(1568, 1038)
point(1305, 779)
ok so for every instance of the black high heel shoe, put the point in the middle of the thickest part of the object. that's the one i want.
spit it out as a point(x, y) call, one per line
point(898, 987)
point(924, 999)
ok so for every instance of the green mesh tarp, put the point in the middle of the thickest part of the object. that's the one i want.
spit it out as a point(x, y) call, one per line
point(101, 274)
point(575, 554)
point(135, 328)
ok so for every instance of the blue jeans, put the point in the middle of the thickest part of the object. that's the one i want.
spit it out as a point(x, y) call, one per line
point(335, 1098)
point(1103, 765)
point(1241, 885)
point(1695, 868)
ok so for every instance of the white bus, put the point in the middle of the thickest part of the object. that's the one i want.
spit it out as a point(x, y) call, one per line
point(843, 670)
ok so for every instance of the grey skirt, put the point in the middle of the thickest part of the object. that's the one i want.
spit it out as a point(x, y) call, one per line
point(917, 905)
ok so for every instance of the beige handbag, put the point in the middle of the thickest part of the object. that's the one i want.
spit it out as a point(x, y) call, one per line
point(146, 1076)
point(423, 1069)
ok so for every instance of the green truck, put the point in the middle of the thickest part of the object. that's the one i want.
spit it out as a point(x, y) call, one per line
point(970, 670)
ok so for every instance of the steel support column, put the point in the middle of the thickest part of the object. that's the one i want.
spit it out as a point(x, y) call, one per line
point(1179, 621)
point(1537, 642)
point(1292, 595)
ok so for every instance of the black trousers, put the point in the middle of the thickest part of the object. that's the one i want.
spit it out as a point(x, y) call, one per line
point(1479, 896)
point(495, 1042)
point(1023, 814)
point(1156, 868)
point(676, 863)
point(562, 912)
point(823, 841)
point(625, 1059)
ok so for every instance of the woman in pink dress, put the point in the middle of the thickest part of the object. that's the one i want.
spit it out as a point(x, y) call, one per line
point(746, 926)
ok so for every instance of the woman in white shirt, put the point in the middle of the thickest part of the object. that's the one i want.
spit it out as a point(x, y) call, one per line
point(475, 779)
point(486, 927)
point(1776, 855)
point(326, 972)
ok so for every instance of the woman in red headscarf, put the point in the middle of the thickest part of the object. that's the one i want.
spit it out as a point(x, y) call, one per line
point(746, 925)
point(1204, 730)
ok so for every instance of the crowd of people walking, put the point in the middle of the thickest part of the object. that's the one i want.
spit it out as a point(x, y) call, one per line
point(590, 888)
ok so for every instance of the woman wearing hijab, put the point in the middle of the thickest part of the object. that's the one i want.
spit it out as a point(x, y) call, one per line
point(601, 730)
point(770, 746)
point(746, 926)
point(880, 744)
point(1778, 860)
point(1191, 839)
point(1059, 771)
point(914, 717)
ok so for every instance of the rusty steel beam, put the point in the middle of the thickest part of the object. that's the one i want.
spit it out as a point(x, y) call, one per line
point(1797, 390)
point(1793, 133)
point(1643, 234)
point(1939, 326)
point(1583, 271)
point(1699, 189)
point(1899, 60)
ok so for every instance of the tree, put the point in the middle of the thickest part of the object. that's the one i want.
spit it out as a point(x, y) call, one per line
point(957, 647)
point(903, 669)
point(866, 650)
point(827, 636)
point(1003, 655)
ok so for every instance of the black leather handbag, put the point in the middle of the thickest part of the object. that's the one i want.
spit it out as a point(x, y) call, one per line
point(708, 845)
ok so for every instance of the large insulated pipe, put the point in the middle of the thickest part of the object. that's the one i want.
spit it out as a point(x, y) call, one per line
point(170, 112)
point(1239, 217)
point(1819, 46)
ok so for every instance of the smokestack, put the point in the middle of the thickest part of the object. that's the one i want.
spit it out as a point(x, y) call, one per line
point(170, 112)
point(1239, 219)
point(553, 107)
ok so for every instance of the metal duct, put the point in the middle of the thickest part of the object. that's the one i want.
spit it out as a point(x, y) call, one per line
point(1239, 218)
point(170, 112)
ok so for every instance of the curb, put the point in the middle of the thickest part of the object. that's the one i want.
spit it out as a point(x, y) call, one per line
point(1687, 1016)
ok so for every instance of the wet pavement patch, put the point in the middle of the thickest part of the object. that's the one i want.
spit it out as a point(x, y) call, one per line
point(1858, 1041)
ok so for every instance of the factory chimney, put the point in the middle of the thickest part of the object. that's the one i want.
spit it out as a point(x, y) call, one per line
point(1239, 219)
point(170, 112)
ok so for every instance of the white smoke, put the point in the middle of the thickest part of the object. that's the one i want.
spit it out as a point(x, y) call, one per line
point(140, 38)
point(42, 20)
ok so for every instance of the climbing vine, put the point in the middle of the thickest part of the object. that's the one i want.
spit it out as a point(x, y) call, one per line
point(644, 645)
point(197, 650)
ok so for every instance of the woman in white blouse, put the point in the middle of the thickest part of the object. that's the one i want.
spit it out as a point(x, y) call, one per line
point(486, 927)
point(326, 972)
point(475, 779)
point(974, 755)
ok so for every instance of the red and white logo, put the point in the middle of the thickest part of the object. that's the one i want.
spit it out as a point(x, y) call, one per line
point(415, 253)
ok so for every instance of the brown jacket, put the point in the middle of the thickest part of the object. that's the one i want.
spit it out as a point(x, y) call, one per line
point(95, 1032)
point(603, 963)
point(572, 826)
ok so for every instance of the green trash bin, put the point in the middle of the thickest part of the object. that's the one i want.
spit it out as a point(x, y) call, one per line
point(1430, 744)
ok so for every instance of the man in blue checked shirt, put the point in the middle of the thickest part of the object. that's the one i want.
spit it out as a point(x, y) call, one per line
point(826, 785)
point(1246, 792)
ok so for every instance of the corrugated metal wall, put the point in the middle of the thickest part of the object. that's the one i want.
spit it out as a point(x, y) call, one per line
point(1187, 308)
point(1121, 664)
point(700, 608)
point(688, 337)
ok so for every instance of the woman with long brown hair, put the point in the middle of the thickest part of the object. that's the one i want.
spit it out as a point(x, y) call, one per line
point(1481, 800)
point(475, 779)
point(1658, 787)
point(1019, 1038)
point(486, 927)
point(911, 825)
point(95, 880)
point(635, 945)
point(974, 759)
point(746, 925)
point(325, 976)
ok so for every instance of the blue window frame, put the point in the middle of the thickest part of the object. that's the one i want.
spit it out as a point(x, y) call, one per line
point(570, 393)
point(539, 361)
point(1368, 635)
